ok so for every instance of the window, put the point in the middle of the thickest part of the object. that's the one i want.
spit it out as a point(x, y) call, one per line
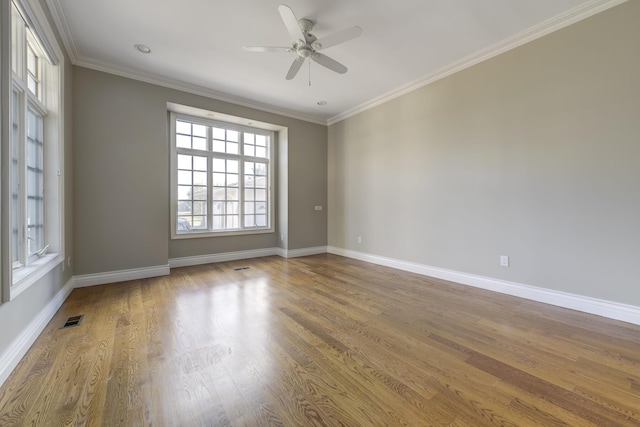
point(33, 193)
point(221, 178)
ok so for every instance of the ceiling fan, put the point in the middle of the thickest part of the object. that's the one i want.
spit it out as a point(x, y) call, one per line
point(306, 45)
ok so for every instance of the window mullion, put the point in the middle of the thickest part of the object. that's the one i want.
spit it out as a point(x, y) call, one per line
point(209, 180)
point(241, 183)
point(22, 180)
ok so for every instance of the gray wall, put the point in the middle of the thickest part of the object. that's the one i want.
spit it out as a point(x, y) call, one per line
point(121, 170)
point(533, 154)
point(16, 315)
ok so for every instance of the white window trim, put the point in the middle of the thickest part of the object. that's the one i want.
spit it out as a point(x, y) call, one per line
point(235, 123)
point(14, 282)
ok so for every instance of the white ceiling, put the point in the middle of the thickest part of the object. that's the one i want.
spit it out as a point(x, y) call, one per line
point(197, 44)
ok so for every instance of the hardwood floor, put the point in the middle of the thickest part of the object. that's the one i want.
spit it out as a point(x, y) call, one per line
point(321, 340)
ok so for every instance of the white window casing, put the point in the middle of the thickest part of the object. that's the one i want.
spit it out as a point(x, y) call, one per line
point(31, 84)
point(221, 177)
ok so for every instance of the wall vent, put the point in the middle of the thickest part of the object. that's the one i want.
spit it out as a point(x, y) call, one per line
point(241, 268)
point(72, 321)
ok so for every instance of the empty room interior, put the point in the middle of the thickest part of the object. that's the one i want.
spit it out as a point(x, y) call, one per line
point(355, 213)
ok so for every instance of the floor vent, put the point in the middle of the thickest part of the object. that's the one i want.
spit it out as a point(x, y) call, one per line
point(241, 268)
point(72, 321)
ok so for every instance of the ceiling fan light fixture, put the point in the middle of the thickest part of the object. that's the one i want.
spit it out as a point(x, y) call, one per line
point(142, 48)
point(304, 51)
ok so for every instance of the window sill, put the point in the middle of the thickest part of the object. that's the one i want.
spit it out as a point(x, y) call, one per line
point(27, 276)
point(177, 236)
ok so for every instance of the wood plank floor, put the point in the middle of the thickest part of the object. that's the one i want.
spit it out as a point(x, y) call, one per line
point(321, 340)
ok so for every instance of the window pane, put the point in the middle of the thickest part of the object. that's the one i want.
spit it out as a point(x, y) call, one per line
point(232, 180)
point(249, 150)
point(261, 207)
point(219, 179)
point(184, 161)
point(233, 135)
point(217, 133)
point(199, 223)
point(199, 208)
point(199, 143)
point(199, 163)
point(183, 141)
point(184, 208)
point(261, 220)
point(249, 208)
point(199, 193)
point(32, 85)
point(184, 192)
point(233, 221)
point(249, 181)
point(249, 168)
point(233, 208)
point(232, 194)
point(232, 166)
point(249, 194)
point(232, 148)
point(261, 152)
point(219, 165)
point(218, 208)
point(261, 182)
point(184, 224)
point(183, 127)
point(200, 130)
point(219, 193)
point(249, 221)
point(261, 195)
point(184, 177)
point(261, 140)
point(218, 146)
point(218, 222)
point(200, 178)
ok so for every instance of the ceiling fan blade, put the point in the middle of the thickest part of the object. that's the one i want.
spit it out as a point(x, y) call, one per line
point(331, 64)
point(291, 22)
point(295, 67)
point(339, 37)
point(266, 49)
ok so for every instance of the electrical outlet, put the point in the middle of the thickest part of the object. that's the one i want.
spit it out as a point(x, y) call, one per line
point(282, 237)
point(359, 239)
point(504, 261)
point(318, 208)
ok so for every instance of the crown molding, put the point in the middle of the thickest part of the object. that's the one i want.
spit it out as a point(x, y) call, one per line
point(68, 39)
point(579, 13)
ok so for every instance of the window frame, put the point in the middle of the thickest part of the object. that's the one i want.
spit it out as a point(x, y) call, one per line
point(47, 103)
point(210, 154)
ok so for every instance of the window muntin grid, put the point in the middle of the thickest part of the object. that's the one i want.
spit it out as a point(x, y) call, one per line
point(238, 178)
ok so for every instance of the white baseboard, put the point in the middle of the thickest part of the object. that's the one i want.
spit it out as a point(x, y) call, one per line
point(19, 347)
point(294, 253)
point(609, 309)
point(84, 280)
point(222, 257)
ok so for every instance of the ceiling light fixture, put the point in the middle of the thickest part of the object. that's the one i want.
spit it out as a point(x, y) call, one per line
point(142, 48)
